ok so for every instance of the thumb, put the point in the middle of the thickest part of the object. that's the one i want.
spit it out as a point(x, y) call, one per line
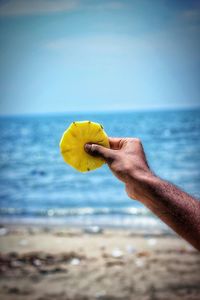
point(97, 150)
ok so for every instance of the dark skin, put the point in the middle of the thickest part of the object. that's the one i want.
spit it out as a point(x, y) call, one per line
point(127, 161)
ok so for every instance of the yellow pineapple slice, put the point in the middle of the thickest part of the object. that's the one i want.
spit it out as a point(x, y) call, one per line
point(73, 141)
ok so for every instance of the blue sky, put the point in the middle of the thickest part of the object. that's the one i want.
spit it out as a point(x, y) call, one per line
point(60, 56)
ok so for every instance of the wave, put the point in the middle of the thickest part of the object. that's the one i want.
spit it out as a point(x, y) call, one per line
point(84, 211)
point(125, 217)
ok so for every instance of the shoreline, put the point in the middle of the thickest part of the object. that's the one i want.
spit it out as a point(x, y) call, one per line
point(141, 224)
point(111, 264)
point(29, 228)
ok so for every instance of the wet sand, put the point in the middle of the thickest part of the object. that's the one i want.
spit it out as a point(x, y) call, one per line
point(67, 264)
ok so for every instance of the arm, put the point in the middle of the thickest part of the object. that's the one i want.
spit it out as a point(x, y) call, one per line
point(177, 209)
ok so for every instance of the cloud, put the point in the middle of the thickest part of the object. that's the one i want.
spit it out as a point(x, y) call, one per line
point(162, 46)
point(35, 7)
point(192, 15)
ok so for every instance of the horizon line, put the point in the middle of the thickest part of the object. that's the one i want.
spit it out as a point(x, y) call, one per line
point(103, 111)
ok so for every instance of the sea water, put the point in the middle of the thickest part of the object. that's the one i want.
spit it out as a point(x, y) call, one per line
point(36, 186)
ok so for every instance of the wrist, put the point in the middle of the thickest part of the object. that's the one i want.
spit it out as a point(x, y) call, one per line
point(139, 185)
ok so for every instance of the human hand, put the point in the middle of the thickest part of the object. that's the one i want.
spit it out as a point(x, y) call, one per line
point(127, 161)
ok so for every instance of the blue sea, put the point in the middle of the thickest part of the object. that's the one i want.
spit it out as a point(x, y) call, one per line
point(36, 186)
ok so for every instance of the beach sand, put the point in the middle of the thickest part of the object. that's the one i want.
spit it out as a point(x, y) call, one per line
point(62, 263)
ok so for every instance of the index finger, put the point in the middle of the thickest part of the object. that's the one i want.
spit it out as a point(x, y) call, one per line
point(115, 142)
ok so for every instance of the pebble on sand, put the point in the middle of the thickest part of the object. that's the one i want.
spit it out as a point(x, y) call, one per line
point(117, 253)
point(75, 262)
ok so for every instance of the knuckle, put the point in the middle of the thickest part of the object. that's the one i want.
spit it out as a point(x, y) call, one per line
point(134, 140)
point(137, 140)
point(94, 148)
point(99, 151)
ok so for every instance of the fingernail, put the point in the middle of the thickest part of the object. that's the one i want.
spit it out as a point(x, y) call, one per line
point(87, 147)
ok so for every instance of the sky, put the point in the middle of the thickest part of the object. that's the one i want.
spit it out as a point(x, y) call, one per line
point(98, 55)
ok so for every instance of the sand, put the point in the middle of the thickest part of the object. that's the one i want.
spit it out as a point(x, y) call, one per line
point(62, 263)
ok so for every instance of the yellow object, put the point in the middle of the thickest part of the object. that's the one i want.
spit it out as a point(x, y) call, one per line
point(73, 141)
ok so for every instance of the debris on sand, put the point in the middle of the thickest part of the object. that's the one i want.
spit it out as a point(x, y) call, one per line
point(152, 242)
point(3, 231)
point(117, 253)
point(93, 230)
point(75, 261)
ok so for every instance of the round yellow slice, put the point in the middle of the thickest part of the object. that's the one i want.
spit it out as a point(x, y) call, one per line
point(73, 141)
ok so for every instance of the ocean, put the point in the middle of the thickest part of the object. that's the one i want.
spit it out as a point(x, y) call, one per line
point(36, 186)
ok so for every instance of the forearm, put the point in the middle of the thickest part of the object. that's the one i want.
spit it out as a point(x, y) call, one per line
point(127, 161)
point(176, 208)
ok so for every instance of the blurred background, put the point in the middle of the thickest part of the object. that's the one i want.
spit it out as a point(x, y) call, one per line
point(133, 66)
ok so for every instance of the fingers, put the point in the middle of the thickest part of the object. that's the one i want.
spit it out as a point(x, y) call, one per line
point(130, 144)
point(97, 150)
point(119, 143)
point(115, 143)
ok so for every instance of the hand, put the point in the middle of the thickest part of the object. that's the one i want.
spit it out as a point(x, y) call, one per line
point(127, 161)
